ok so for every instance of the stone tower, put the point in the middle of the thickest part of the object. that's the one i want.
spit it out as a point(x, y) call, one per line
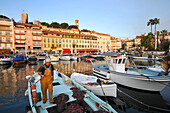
point(24, 18)
point(77, 23)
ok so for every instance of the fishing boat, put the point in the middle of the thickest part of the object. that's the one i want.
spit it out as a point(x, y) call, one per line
point(73, 57)
point(4, 59)
point(142, 79)
point(65, 57)
point(54, 58)
point(32, 59)
point(68, 96)
point(90, 82)
point(41, 57)
point(19, 59)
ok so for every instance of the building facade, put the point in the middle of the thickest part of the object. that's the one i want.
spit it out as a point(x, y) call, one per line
point(27, 38)
point(6, 35)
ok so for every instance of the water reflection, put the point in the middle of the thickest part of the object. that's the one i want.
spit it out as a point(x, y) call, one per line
point(139, 100)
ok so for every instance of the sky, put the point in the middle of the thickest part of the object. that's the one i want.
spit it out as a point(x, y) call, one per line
point(119, 18)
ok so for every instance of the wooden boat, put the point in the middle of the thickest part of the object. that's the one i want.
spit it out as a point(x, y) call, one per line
point(90, 82)
point(19, 59)
point(32, 59)
point(4, 59)
point(143, 79)
point(68, 96)
point(41, 57)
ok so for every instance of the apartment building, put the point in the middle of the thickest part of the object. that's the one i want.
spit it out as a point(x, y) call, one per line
point(6, 35)
point(116, 43)
point(137, 41)
point(27, 38)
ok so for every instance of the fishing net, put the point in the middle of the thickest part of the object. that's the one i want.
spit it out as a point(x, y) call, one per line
point(78, 94)
point(60, 101)
point(74, 109)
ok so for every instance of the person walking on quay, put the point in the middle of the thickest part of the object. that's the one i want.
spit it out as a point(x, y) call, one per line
point(46, 72)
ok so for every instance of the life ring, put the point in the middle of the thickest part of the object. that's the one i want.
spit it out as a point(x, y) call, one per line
point(34, 94)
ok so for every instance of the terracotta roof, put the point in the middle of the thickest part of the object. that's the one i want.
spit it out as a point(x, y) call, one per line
point(137, 37)
point(28, 25)
point(64, 33)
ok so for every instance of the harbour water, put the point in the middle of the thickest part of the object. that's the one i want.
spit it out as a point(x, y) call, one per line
point(13, 85)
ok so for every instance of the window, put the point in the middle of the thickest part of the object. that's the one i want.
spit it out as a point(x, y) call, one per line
point(23, 37)
point(67, 41)
point(44, 45)
point(77, 41)
point(67, 46)
point(22, 32)
point(73, 41)
point(44, 39)
point(70, 41)
point(34, 42)
point(63, 40)
point(39, 38)
point(48, 40)
point(70, 46)
point(56, 41)
point(79, 46)
point(80, 41)
point(28, 41)
point(63, 45)
point(60, 41)
point(8, 39)
point(16, 37)
point(48, 45)
point(52, 40)
point(39, 42)
point(16, 31)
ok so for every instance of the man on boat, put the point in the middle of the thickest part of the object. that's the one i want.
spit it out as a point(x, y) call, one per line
point(46, 72)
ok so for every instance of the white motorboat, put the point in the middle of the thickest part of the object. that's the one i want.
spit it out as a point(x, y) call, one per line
point(68, 96)
point(4, 59)
point(65, 57)
point(54, 58)
point(90, 82)
point(41, 57)
point(143, 79)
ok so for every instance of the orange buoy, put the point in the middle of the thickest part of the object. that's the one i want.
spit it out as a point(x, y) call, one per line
point(34, 94)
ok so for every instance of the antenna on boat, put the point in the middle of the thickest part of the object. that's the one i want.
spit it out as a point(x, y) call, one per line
point(98, 81)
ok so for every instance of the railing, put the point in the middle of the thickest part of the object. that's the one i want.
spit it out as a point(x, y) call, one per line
point(35, 44)
point(19, 43)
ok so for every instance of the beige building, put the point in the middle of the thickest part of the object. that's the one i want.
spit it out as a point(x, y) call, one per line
point(6, 34)
point(116, 44)
point(137, 41)
point(129, 44)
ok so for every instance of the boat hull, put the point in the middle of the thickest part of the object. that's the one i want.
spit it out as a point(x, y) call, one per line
point(133, 81)
point(19, 62)
point(109, 90)
point(5, 61)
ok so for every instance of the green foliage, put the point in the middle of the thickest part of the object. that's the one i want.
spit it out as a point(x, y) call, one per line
point(45, 24)
point(64, 25)
point(55, 25)
point(166, 44)
point(72, 26)
point(146, 41)
point(30, 22)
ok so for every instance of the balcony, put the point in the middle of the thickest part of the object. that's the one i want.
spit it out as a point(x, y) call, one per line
point(36, 34)
point(19, 43)
point(35, 44)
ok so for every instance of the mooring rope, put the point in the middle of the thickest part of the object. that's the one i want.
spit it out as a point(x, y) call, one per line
point(143, 103)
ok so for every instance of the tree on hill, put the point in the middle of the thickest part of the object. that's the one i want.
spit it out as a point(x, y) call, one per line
point(55, 25)
point(72, 26)
point(5, 17)
point(163, 33)
point(30, 22)
point(45, 24)
point(85, 30)
point(146, 41)
point(64, 25)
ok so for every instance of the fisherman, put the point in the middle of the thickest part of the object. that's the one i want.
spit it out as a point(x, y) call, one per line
point(46, 72)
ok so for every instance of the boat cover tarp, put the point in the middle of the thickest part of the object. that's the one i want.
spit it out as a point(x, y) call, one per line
point(19, 58)
point(84, 79)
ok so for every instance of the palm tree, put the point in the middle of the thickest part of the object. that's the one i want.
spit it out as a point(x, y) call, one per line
point(151, 22)
point(164, 33)
point(158, 33)
point(156, 21)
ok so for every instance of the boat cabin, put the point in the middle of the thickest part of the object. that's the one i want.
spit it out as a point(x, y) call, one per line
point(117, 63)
